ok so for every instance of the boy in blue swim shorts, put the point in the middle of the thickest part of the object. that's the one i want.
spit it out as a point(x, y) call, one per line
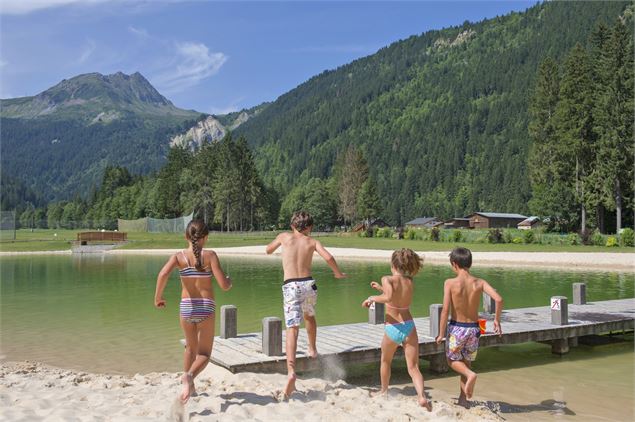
point(299, 289)
point(461, 298)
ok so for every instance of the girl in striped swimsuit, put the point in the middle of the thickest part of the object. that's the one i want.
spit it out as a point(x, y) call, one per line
point(197, 300)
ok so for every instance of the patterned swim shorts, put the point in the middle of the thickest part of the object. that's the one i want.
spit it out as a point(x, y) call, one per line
point(300, 297)
point(462, 340)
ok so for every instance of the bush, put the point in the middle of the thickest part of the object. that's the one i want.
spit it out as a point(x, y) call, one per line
point(611, 241)
point(585, 237)
point(434, 234)
point(573, 239)
point(517, 240)
point(457, 235)
point(410, 234)
point(627, 237)
point(363, 233)
point(597, 239)
point(507, 236)
point(528, 236)
point(384, 232)
point(494, 236)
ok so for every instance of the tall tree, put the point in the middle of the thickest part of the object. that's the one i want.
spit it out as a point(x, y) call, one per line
point(353, 172)
point(575, 125)
point(612, 174)
point(368, 203)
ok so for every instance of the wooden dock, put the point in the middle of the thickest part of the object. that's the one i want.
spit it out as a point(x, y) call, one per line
point(360, 342)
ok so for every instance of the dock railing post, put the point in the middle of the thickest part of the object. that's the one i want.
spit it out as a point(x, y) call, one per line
point(272, 336)
point(559, 310)
point(579, 293)
point(489, 305)
point(559, 316)
point(228, 321)
point(376, 313)
point(435, 319)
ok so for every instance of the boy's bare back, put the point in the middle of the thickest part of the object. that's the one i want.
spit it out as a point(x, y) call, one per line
point(297, 254)
point(465, 293)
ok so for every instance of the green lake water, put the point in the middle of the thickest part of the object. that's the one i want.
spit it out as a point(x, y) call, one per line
point(95, 313)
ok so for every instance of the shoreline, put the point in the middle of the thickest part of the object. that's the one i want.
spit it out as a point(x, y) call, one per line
point(562, 261)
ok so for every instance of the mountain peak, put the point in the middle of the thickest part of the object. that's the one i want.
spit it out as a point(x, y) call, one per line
point(117, 91)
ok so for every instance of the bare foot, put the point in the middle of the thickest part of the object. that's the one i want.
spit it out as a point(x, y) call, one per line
point(290, 387)
point(423, 402)
point(381, 393)
point(463, 402)
point(312, 352)
point(187, 382)
point(469, 385)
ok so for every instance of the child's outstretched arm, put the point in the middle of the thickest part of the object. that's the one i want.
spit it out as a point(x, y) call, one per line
point(329, 260)
point(275, 244)
point(222, 279)
point(162, 280)
point(499, 306)
point(384, 297)
point(443, 323)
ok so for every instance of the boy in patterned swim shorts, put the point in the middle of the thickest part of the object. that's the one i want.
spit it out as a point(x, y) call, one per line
point(299, 289)
point(462, 297)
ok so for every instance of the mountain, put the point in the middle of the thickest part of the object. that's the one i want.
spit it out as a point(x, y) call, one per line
point(59, 141)
point(440, 117)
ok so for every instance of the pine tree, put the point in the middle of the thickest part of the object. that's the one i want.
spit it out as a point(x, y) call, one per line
point(368, 203)
point(352, 174)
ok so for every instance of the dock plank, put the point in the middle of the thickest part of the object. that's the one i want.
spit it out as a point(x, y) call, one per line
point(360, 342)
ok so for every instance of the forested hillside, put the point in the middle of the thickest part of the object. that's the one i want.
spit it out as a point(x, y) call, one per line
point(441, 118)
point(59, 142)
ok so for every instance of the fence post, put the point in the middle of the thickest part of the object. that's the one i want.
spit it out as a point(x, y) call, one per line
point(489, 304)
point(228, 321)
point(579, 293)
point(435, 319)
point(376, 313)
point(272, 336)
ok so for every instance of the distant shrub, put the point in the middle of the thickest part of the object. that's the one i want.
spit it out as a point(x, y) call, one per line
point(363, 233)
point(507, 236)
point(585, 237)
point(457, 235)
point(611, 241)
point(385, 232)
point(422, 234)
point(597, 239)
point(573, 239)
point(517, 240)
point(434, 234)
point(528, 236)
point(374, 231)
point(627, 237)
point(494, 236)
point(410, 234)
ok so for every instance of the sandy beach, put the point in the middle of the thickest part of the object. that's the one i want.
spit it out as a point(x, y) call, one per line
point(33, 392)
point(569, 261)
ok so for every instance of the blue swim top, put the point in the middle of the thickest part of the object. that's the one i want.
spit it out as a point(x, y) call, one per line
point(191, 272)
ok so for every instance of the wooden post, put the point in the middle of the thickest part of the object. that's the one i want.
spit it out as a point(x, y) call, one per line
point(559, 310)
point(435, 319)
point(560, 346)
point(272, 336)
point(573, 342)
point(489, 305)
point(228, 321)
point(376, 313)
point(439, 363)
point(579, 293)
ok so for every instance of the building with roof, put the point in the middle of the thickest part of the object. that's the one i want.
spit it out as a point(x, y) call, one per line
point(530, 223)
point(457, 223)
point(489, 220)
point(424, 223)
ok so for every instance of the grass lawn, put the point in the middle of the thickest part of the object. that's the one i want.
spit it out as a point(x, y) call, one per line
point(57, 240)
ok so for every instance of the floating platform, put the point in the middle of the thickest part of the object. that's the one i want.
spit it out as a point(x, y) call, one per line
point(360, 342)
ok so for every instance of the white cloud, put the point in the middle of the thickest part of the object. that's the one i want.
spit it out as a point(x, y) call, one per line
point(193, 63)
point(87, 52)
point(21, 7)
point(139, 32)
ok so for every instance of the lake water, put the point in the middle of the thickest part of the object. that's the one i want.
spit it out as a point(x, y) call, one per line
point(96, 313)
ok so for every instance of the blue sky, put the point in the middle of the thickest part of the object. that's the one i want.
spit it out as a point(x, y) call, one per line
point(210, 56)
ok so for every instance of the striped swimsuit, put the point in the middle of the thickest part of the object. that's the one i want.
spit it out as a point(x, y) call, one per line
point(195, 309)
